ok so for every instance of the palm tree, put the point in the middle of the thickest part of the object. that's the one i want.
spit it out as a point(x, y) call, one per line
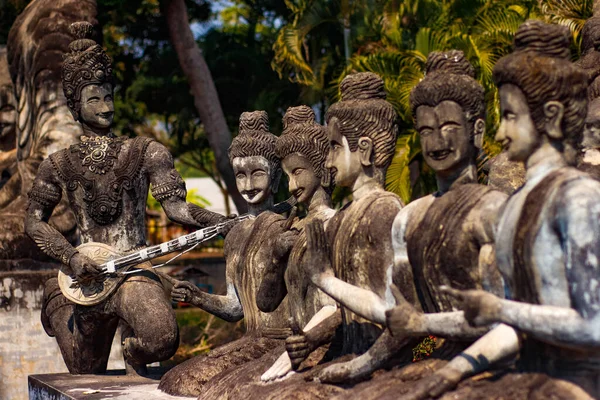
point(396, 38)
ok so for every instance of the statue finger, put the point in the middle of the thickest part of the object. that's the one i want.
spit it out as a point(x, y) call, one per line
point(295, 339)
point(290, 221)
point(398, 296)
point(457, 294)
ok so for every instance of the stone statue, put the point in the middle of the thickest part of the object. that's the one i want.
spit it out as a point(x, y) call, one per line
point(105, 180)
point(302, 148)
point(589, 160)
point(8, 138)
point(355, 252)
point(36, 43)
point(547, 242)
point(445, 238)
point(248, 252)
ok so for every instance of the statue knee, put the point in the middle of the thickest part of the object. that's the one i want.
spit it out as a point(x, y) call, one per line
point(153, 343)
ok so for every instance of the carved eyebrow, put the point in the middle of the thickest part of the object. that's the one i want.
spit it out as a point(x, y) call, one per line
point(424, 126)
point(94, 98)
point(449, 123)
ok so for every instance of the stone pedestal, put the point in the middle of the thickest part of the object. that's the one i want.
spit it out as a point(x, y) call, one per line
point(25, 348)
point(115, 385)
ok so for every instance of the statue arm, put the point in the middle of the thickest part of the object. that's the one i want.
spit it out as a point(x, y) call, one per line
point(577, 224)
point(168, 188)
point(45, 194)
point(228, 306)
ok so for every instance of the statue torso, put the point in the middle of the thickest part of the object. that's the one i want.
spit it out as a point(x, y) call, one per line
point(443, 243)
point(107, 187)
point(532, 253)
point(304, 298)
point(362, 255)
point(248, 251)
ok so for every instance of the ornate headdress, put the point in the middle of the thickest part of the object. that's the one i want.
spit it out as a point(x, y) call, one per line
point(85, 64)
point(254, 139)
point(302, 134)
point(540, 66)
point(363, 111)
point(450, 76)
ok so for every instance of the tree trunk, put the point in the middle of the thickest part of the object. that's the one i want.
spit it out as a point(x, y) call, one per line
point(206, 98)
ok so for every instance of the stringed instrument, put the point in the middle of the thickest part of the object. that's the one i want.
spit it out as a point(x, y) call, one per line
point(116, 266)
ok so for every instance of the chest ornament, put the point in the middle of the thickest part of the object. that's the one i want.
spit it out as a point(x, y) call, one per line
point(97, 166)
point(98, 153)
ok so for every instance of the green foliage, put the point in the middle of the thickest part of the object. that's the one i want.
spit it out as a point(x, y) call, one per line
point(393, 38)
point(192, 197)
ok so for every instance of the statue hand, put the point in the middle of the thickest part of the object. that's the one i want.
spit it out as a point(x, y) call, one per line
point(298, 348)
point(84, 268)
point(317, 259)
point(281, 368)
point(340, 373)
point(442, 381)
point(404, 320)
point(183, 291)
point(480, 307)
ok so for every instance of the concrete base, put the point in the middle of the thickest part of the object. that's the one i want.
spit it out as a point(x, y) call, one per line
point(115, 385)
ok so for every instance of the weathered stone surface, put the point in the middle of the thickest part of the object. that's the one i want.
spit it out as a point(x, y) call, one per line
point(114, 385)
point(505, 175)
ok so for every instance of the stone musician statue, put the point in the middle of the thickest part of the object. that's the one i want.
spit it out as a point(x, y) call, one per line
point(106, 180)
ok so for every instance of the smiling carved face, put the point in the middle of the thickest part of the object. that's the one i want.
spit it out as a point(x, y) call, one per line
point(253, 178)
point(97, 108)
point(303, 183)
point(445, 138)
point(343, 163)
point(517, 132)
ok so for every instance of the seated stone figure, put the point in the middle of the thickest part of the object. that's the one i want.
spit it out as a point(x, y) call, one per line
point(248, 251)
point(547, 245)
point(106, 180)
point(357, 245)
point(302, 147)
point(445, 238)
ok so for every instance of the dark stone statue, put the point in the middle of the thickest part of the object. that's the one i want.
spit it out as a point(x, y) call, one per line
point(106, 181)
point(446, 238)
point(248, 252)
point(302, 147)
point(36, 43)
point(355, 253)
point(547, 242)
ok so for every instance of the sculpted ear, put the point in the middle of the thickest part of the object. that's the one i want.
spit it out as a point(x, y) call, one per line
point(554, 112)
point(365, 150)
point(478, 133)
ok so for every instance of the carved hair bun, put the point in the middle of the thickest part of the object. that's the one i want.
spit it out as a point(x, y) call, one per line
point(451, 62)
point(82, 31)
point(254, 121)
point(548, 40)
point(362, 86)
point(298, 115)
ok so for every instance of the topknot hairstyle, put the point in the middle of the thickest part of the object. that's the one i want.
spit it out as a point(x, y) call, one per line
point(450, 76)
point(540, 66)
point(85, 64)
point(364, 112)
point(254, 139)
point(302, 134)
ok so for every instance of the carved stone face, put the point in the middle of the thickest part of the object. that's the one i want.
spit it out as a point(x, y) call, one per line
point(345, 165)
point(97, 108)
point(591, 131)
point(517, 132)
point(253, 178)
point(445, 137)
point(303, 183)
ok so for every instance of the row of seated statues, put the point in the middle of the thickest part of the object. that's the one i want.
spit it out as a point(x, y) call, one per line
point(335, 301)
